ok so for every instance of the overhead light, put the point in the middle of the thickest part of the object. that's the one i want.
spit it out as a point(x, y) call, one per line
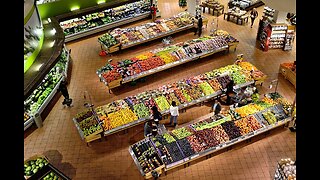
point(101, 1)
point(74, 8)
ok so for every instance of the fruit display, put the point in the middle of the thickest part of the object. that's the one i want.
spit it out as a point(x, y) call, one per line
point(206, 88)
point(253, 122)
point(103, 17)
point(269, 101)
point(122, 117)
point(111, 75)
point(185, 147)
point(162, 103)
point(208, 125)
point(231, 129)
point(108, 40)
point(182, 132)
point(289, 65)
point(170, 153)
point(269, 116)
point(89, 126)
point(172, 97)
point(224, 80)
point(243, 126)
point(146, 155)
point(247, 66)
point(168, 138)
point(150, 103)
point(178, 93)
point(50, 176)
point(141, 110)
point(219, 134)
point(185, 94)
point(83, 115)
point(105, 122)
point(202, 140)
point(114, 106)
point(214, 83)
point(248, 109)
point(33, 166)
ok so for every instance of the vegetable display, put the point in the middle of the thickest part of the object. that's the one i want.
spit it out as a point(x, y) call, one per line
point(33, 166)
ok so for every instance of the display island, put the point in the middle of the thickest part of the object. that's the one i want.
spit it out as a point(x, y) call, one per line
point(208, 135)
point(94, 123)
point(131, 69)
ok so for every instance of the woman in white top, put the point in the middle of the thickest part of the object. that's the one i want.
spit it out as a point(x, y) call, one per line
point(174, 112)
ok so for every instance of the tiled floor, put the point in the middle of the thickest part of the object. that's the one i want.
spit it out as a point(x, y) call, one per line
point(59, 140)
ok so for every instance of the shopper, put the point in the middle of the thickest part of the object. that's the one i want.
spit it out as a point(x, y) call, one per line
point(154, 128)
point(200, 24)
point(230, 91)
point(147, 129)
point(64, 91)
point(253, 15)
point(216, 107)
point(174, 113)
point(156, 114)
point(154, 12)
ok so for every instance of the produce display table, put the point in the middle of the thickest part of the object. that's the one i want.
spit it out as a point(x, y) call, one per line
point(215, 6)
point(179, 147)
point(129, 37)
point(128, 70)
point(122, 114)
point(240, 17)
point(286, 69)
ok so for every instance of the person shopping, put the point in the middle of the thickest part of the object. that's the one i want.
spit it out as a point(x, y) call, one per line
point(200, 24)
point(154, 12)
point(156, 115)
point(64, 91)
point(230, 91)
point(253, 15)
point(216, 107)
point(174, 113)
point(147, 129)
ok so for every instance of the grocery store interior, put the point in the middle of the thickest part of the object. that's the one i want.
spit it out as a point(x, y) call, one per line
point(54, 131)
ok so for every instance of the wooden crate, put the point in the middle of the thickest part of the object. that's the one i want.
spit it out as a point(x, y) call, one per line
point(34, 158)
point(233, 46)
point(94, 136)
point(115, 83)
point(259, 81)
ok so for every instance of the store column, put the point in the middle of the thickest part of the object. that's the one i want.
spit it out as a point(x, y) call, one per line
point(192, 5)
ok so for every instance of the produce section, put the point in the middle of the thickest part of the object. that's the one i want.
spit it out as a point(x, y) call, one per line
point(128, 70)
point(130, 111)
point(102, 20)
point(203, 137)
point(129, 37)
point(46, 90)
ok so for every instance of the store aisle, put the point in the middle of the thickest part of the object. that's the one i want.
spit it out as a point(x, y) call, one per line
point(60, 142)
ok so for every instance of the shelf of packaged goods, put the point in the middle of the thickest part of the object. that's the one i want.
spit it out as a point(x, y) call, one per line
point(123, 46)
point(104, 27)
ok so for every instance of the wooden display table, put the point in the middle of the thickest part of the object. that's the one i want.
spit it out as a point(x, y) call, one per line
point(288, 74)
point(215, 6)
point(240, 18)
